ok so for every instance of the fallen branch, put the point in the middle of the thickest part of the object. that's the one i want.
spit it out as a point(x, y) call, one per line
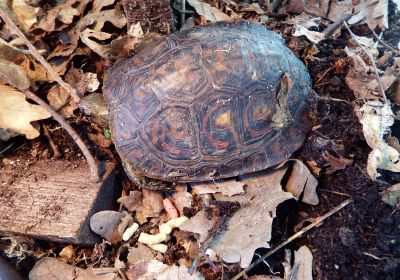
point(94, 172)
point(335, 25)
point(34, 52)
point(298, 234)
point(370, 58)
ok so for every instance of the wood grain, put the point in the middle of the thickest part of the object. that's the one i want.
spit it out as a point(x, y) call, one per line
point(53, 199)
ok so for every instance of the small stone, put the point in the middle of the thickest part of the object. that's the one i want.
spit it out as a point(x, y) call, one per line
point(347, 236)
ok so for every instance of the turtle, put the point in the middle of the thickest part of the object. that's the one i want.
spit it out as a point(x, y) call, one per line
point(214, 101)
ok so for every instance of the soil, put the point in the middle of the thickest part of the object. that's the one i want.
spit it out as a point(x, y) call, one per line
point(360, 241)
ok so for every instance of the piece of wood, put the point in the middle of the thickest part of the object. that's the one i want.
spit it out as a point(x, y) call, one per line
point(54, 199)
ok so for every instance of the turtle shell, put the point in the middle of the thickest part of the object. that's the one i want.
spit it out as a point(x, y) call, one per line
point(210, 102)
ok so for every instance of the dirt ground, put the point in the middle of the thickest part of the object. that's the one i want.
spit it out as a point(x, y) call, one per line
point(360, 241)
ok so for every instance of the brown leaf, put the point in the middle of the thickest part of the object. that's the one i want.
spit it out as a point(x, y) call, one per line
point(133, 201)
point(335, 163)
point(54, 269)
point(373, 12)
point(152, 205)
point(250, 227)
point(182, 199)
point(60, 100)
point(16, 113)
point(14, 75)
point(199, 224)
point(225, 187)
point(209, 12)
point(139, 253)
point(26, 15)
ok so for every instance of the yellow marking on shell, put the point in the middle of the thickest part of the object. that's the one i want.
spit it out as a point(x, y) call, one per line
point(224, 119)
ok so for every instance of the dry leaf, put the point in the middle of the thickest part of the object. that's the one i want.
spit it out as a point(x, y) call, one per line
point(338, 8)
point(182, 199)
point(54, 269)
point(335, 163)
point(373, 12)
point(60, 100)
point(139, 253)
point(14, 75)
point(26, 15)
point(209, 12)
point(133, 201)
point(302, 267)
point(225, 187)
point(313, 36)
point(302, 181)
point(199, 224)
point(376, 118)
point(83, 82)
point(152, 205)
point(16, 113)
point(153, 269)
point(250, 227)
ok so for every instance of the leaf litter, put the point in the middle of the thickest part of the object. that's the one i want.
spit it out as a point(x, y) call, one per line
point(73, 26)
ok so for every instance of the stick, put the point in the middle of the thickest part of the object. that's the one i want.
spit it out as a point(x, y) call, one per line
point(370, 58)
point(94, 173)
point(385, 44)
point(53, 74)
point(332, 27)
point(316, 222)
point(56, 152)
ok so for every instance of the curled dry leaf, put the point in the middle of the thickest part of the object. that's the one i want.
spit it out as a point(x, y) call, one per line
point(200, 224)
point(54, 269)
point(133, 201)
point(152, 205)
point(335, 163)
point(313, 36)
point(16, 114)
point(209, 12)
point(26, 15)
point(182, 198)
point(60, 100)
point(225, 187)
point(376, 118)
point(372, 12)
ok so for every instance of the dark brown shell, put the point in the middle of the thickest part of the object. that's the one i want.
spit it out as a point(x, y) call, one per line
point(211, 102)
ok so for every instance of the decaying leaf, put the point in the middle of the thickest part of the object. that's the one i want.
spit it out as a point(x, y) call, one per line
point(200, 224)
point(152, 205)
point(60, 100)
point(139, 253)
point(14, 75)
point(376, 118)
point(26, 15)
point(391, 195)
point(335, 163)
point(250, 227)
point(225, 187)
point(313, 36)
point(133, 201)
point(16, 113)
point(182, 198)
point(54, 269)
point(373, 12)
point(209, 12)
point(153, 269)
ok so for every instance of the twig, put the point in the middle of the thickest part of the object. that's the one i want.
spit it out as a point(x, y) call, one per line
point(54, 147)
point(316, 222)
point(94, 173)
point(53, 74)
point(332, 27)
point(385, 44)
point(371, 59)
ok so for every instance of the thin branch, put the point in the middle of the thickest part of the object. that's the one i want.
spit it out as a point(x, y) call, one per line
point(385, 44)
point(53, 74)
point(335, 25)
point(93, 168)
point(298, 234)
point(56, 152)
point(370, 58)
